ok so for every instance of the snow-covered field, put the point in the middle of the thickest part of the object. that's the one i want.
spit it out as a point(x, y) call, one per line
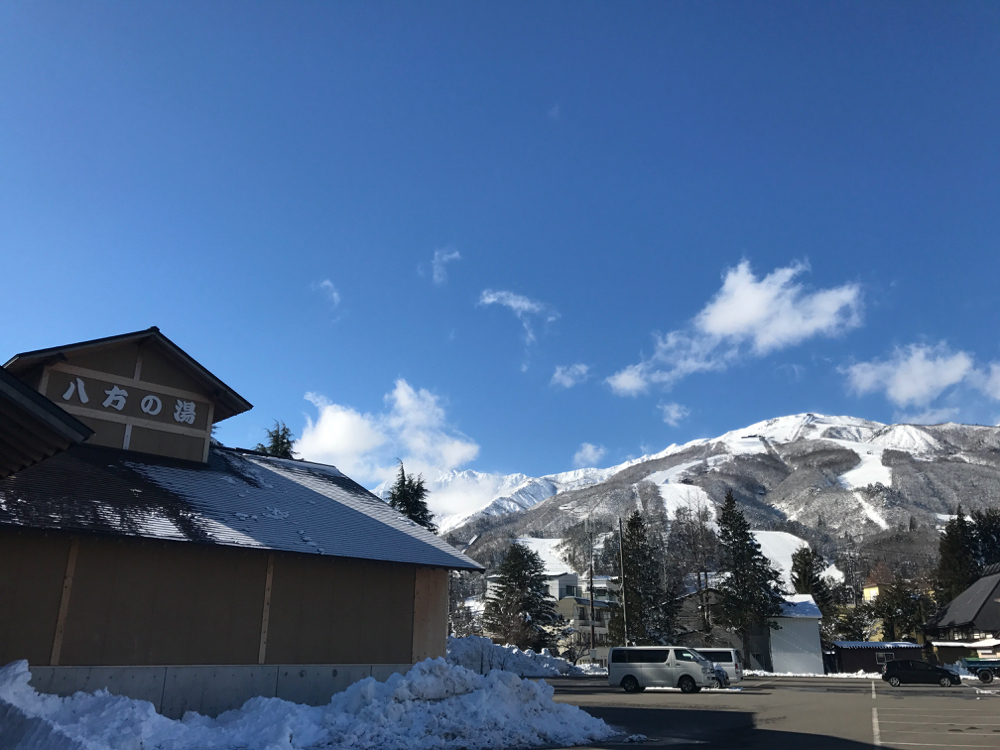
point(435, 705)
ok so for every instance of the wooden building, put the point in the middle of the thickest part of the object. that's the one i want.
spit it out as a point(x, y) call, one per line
point(871, 656)
point(973, 615)
point(146, 546)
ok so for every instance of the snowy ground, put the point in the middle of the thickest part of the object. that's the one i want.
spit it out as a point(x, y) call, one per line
point(435, 705)
point(835, 675)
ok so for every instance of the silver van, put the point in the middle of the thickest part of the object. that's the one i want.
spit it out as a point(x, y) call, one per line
point(727, 658)
point(635, 668)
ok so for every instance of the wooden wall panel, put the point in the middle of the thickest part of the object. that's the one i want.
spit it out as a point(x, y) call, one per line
point(338, 611)
point(32, 568)
point(156, 368)
point(430, 614)
point(160, 443)
point(110, 434)
point(147, 602)
point(115, 359)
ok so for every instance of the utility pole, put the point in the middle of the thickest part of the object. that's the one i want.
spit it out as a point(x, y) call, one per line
point(590, 538)
point(621, 562)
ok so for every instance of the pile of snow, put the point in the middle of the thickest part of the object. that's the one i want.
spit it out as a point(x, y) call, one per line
point(435, 705)
point(592, 669)
point(859, 675)
point(482, 655)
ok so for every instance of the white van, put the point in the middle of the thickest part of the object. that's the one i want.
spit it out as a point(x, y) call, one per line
point(727, 658)
point(635, 668)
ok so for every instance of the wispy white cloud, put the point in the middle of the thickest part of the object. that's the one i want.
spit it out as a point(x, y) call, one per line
point(570, 375)
point(442, 258)
point(413, 427)
point(749, 316)
point(554, 112)
point(913, 376)
point(674, 414)
point(526, 310)
point(929, 384)
point(327, 287)
point(588, 455)
point(928, 416)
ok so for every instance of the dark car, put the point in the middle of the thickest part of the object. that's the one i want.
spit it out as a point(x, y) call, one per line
point(911, 671)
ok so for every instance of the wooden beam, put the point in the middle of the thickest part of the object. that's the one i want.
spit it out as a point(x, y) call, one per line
point(113, 416)
point(74, 549)
point(266, 617)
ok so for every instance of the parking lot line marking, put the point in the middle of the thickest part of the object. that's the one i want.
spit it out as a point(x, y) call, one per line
point(942, 723)
point(964, 734)
point(938, 744)
point(876, 736)
point(918, 711)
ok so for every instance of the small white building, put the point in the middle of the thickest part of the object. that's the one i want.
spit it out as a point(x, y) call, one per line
point(795, 646)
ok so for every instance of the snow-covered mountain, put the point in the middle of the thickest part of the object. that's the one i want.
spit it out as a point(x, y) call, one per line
point(839, 474)
point(500, 494)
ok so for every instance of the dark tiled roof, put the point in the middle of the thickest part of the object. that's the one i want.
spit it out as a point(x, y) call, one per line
point(977, 605)
point(237, 499)
point(32, 428)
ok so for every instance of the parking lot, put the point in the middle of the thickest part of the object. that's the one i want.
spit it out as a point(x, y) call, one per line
point(797, 714)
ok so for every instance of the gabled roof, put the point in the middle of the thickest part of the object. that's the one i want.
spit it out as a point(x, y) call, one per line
point(236, 499)
point(978, 605)
point(32, 428)
point(800, 605)
point(228, 402)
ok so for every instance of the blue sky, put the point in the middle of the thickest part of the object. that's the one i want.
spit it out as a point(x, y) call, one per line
point(482, 236)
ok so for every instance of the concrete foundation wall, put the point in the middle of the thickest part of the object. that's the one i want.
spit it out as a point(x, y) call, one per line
point(210, 690)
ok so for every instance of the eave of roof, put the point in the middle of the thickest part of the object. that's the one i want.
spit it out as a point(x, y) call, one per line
point(967, 608)
point(237, 499)
point(229, 403)
point(876, 644)
point(32, 428)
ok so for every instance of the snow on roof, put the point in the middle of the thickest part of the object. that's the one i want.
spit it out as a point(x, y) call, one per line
point(800, 605)
point(988, 643)
point(547, 549)
point(237, 499)
point(875, 644)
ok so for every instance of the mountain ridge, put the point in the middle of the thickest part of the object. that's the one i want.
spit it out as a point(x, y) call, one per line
point(846, 478)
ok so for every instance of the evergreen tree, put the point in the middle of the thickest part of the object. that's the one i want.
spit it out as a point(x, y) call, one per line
point(902, 608)
point(857, 623)
point(750, 587)
point(409, 496)
point(987, 533)
point(648, 610)
point(519, 610)
point(807, 578)
point(279, 442)
point(958, 567)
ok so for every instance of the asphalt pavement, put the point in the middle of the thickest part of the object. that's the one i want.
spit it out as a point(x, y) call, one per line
point(795, 714)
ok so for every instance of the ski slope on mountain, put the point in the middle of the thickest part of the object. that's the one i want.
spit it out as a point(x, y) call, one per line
point(838, 475)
